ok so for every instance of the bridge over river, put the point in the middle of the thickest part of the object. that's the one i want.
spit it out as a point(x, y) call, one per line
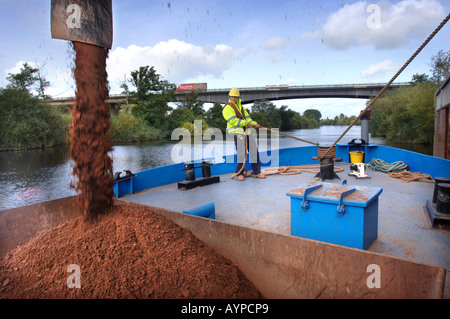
point(269, 93)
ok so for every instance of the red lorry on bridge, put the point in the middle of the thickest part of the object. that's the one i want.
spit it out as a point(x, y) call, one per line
point(192, 87)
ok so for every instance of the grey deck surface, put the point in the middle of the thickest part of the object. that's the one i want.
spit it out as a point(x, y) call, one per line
point(403, 230)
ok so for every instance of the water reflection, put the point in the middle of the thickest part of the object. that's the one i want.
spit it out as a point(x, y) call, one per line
point(34, 176)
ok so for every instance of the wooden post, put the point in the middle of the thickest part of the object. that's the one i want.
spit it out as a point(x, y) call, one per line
point(442, 122)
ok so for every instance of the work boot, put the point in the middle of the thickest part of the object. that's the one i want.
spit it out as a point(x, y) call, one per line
point(241, 177)
point(260, 175)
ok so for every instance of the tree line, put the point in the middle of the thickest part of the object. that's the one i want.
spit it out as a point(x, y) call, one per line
point(406, 115)
point(150, 102)
point(28, 121)
point(395, 116)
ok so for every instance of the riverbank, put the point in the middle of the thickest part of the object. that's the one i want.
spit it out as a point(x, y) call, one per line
point(38, 175)
point(127, 129)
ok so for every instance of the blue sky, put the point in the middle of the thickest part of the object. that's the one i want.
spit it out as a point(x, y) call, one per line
point(240, 43)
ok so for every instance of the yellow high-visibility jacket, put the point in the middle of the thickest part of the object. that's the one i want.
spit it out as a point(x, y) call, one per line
point(237, 118)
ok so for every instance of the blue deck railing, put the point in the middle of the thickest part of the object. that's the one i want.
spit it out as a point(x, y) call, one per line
point(154, 177)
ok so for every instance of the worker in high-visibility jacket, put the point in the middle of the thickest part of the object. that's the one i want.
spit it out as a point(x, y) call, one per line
point(240, 124)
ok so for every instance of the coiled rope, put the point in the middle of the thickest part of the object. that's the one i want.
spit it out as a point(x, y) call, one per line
point(323, 152)
point(408, 176)
point(382, 166)
point(296, 169)
point(399, 170)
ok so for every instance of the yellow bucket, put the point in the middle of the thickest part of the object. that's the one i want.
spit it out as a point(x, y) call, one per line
point(357, 157)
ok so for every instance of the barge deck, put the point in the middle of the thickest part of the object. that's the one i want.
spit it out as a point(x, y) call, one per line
point(262, 204)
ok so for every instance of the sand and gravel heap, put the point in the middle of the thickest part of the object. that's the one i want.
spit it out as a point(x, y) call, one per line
point(130, 252)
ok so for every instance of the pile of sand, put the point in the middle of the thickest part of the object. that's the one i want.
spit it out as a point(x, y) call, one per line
point(127, 253)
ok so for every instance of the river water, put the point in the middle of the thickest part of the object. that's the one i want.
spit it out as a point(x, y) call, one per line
point(34, 176)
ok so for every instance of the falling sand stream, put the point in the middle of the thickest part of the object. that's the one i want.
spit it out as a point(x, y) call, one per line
point(90, 141)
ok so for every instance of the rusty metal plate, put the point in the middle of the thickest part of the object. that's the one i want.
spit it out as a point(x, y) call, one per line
point(88, 21)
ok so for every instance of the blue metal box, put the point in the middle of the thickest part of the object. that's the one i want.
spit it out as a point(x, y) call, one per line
point(335, 213)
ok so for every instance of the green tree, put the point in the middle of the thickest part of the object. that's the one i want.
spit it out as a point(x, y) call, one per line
point(440, 66)
point(307, 122)
point(126, 91)
point(262, 119)
point(290, 120)
point(27, 122)
point(186, 112)
point(126, 127)
point(420, 78)
point(214, 117)
point(179, 116)
point(266, 114)
point(24, 79)
point(27, 78)
point(194, 129)
point(313, 114)
point(192, 103)
point(146, 81)
point(42, 83)
point(151, 97)
point(406, 114)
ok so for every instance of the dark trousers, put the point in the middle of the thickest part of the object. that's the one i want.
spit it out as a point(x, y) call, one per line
point(239, 142)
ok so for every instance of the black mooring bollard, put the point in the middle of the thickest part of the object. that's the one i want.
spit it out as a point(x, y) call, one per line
point(443, 198)
point(190, 171)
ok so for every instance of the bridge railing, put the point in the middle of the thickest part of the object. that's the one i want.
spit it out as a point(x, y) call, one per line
point(71, 97)
point(282, 87)
point(274, 87)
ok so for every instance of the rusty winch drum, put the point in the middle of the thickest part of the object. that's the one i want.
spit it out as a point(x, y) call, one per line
point(327, 159)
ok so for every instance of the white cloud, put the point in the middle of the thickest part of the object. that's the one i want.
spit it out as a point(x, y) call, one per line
point(291, 81)
point(353, 25)
point(175, 60)
point(275, 58)
point(379, 69)
point(274, 43)
point(17, 67)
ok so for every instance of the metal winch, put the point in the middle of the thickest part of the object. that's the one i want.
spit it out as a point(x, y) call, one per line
point(327, 159)
point(358, 170)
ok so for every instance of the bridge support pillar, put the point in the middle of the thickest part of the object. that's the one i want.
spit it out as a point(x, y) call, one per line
point(365, 127)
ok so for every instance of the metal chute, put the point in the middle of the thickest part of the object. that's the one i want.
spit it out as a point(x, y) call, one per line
point(87, 21)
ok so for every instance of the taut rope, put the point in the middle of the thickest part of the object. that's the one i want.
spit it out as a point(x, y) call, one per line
point(390, 82)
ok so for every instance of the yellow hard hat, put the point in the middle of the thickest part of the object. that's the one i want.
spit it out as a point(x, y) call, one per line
point(234, 92)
